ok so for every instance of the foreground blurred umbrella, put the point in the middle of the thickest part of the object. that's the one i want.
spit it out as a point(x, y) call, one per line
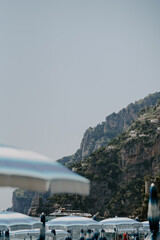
point(17, 221)
point(34, 172)
point(72, 223)
point(153, 212)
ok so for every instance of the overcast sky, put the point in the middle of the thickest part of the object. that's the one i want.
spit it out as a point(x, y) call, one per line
point(65, 65)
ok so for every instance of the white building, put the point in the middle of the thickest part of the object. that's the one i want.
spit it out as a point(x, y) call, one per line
point(155, 120)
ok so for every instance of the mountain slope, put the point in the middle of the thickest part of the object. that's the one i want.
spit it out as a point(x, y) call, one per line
point(116, 171)
point(99, 136)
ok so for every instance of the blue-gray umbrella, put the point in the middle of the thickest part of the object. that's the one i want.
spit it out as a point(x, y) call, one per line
point(31, 171)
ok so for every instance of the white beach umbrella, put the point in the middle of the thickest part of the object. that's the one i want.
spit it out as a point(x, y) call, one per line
point(35, 233)
point(120, 223)
point(72, 223)
point(16, 221)
point(35, 172)
point(146, 226)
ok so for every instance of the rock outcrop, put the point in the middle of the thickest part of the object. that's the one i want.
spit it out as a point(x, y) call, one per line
point(118, 171)
point(117, 164)
point(99, 136)
point(21, 201)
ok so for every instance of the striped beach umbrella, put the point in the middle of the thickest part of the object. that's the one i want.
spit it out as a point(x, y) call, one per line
point(122, 224)
point(153, 210)
point(17, 221)
point(61, 234)
point(72, 223)
point(146, 226)
point(31, 171)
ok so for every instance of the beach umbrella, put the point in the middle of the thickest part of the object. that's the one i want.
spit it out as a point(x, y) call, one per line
point(35, 233)
point(72, 223)
point(146, 227)
point(121, 224)
point(17, 221)
point(31, 171)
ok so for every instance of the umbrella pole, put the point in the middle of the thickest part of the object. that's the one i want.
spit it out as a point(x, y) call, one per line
point(42, 233)
point(42, 229)
point(115, 230)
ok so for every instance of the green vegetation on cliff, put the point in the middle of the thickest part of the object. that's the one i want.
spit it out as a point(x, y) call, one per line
point(122, 166)
point(114, 124)
point(118, 167)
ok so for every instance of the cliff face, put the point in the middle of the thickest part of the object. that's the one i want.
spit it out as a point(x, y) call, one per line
point(117, 170)
point(99, 136)
point(29, 203)
point(21, 201)
point(124, 165)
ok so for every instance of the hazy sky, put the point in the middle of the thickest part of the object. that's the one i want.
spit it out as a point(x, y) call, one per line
point(66, 65)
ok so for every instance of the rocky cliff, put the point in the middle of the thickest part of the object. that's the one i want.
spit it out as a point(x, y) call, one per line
point(21, 201)
point(123, 166)
point(117, 170)
point(99, 136)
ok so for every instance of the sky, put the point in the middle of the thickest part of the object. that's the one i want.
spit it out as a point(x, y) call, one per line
point(67, 64)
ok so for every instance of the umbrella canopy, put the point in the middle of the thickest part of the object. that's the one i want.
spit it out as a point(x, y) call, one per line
point(35, 172)
point(16, 221)
point(35, 233)
point(72, 223)
point(120, 223)
point(146, 227)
